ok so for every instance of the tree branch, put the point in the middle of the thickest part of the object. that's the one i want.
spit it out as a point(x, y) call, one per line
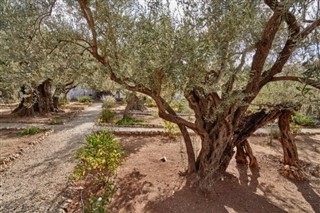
point(288, 48)
point(263, 49)
point(307, 81)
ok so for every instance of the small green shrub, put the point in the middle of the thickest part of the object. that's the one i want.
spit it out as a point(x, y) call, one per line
point(108, 101)
point(304, 120)
point(150, 102)
point(129, 121)
point(85, 99)
point(295, 129)
point(107, 116)
point(55, 122)
point(170, 128)
point(101, 155)
point(98, 159)
point(180, 105)
point(63, 101)
point(30, 131)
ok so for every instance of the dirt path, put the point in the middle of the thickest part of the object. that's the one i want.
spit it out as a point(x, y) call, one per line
point(34, 182)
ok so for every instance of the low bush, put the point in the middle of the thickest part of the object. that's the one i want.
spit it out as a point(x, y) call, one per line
point(85, 99)
point(107, 116)
point(63, 101)
point(304, 120)
point(170, 128)
point(30, 131)
point(55, 122)
point(129, 121)
point(97, 167)
point(108, 101)
point(150, 102)
point(180, 105)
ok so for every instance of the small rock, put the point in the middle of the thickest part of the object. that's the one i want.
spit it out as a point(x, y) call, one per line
point(313, 178)
point(163, 159)
point(61, 210)
point(286, 167)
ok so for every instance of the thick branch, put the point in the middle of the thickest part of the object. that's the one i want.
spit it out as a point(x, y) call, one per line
point(263, 49)
point(288, 49)
point(307, 81)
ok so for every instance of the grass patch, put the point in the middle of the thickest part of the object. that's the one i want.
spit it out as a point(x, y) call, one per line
point(55, 122)
point(304, 120)
point(129, 121)
point(30, 131)
point(85, 99)
point(107, 116)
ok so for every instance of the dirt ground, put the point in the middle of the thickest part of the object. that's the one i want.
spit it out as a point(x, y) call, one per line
point(146, 184)
point(13, 145)
point(68, 112)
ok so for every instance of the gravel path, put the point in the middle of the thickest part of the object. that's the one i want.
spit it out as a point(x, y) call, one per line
point(36, 180)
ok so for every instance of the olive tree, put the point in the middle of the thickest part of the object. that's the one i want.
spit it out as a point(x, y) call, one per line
point(221, 54)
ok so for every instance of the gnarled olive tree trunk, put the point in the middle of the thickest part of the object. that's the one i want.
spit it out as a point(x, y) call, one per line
point(133, 103)
point(36, 101)
point(290, 153)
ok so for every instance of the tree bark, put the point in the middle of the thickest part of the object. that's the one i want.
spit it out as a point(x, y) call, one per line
point(25, 107)
point(37, 101)
point(290, 153)
point(243, 151)
point(190, 152)
point(215, 155)
point(133, 103)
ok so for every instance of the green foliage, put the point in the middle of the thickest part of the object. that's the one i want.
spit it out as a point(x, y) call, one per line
point(170, 128)
point(304, 120)
point(180, 105)
point(63, 101)
point(108, 101)
point(295, 129)
point(30, 131)
point(55, 121)
point(129, 121)
point(150, 102)
point(107, 116)
point(101, 155)
point(99, 158)
point(85, 99)
point(98, 204)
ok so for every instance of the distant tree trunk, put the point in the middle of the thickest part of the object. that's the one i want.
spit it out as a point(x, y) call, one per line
point(243, 151)
point(38, 101)
point(290, 153)
point(133, 103)
point(25, 107)
point(44, 103)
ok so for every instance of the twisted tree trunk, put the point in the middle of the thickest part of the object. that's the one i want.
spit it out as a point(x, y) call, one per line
point(133, 103)
point(37, 101)
point(290, 153)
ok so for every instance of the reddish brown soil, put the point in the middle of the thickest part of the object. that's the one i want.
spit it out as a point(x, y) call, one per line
point(146, 184)
point(13, 145)
point(67, 112)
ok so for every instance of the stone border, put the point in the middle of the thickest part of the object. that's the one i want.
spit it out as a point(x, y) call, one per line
point(130, 126)
point(6, 162)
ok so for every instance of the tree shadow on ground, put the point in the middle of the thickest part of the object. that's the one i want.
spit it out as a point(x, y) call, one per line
point(309, 194)
point(130, 187)
point(228, 195)
point(132, 144)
